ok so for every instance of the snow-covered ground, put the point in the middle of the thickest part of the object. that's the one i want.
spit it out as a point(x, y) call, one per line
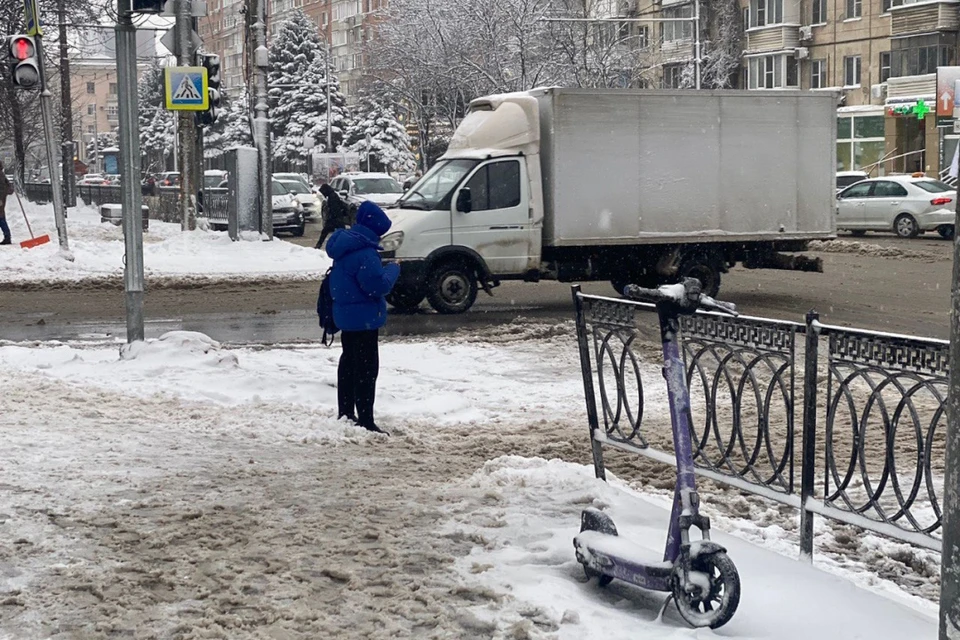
point(182, 489)
point(170, 256)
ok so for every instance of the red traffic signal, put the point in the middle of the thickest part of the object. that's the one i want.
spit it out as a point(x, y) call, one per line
point(25, 68)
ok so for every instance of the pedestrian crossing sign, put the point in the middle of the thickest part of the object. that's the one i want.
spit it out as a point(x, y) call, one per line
point(185, 88)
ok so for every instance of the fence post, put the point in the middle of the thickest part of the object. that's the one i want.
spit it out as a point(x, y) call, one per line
point(808, 464)
point(583, 340)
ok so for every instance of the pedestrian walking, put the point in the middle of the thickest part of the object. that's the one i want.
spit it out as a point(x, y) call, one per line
point(337, 216)
point(358, 284)
point(6, 188)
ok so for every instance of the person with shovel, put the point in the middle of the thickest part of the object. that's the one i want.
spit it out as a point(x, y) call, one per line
point(5, 189)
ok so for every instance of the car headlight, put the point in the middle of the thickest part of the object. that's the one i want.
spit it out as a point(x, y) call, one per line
point(392, 241)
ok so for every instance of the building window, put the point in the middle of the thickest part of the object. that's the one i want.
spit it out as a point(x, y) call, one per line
point(672, 76)
point(854, 9)
point(818, 74)
point(112, 111)
point(778, 71)
point(884, 66)
point(91, 87)
point(746, 18)
point(819, 12)
point(91, 109)
point(766, 12)
point(113, 88)
point(851, 71)
point(860, 142)
point(921, 55)
point(674, 31)
point(91, 128)
point(643, 37)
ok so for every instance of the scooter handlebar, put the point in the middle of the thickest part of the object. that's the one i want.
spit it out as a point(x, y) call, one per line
point(687, 295)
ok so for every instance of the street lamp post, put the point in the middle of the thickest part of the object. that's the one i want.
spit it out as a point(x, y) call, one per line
point(369, 140)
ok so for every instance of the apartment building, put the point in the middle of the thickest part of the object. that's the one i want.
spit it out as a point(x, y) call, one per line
point(879, 55)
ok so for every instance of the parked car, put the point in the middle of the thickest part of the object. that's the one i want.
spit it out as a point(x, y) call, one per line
point(169, 179)
point(379, 188)
point(212, 178)
point(287, 212)
point(310, 201)
point(287, 177)
point(902, 204)
point(847, 178)
point(92, 178)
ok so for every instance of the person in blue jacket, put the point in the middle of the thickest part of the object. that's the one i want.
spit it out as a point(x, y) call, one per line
point(358, 284)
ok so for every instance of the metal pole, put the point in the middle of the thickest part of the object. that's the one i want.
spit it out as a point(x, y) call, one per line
point(187, 129)
point(950, 558)
point(50, 134)
point(696, 43)
point(96, 138)
point(586, 372)
point(261, 107)
point(329, 148)
point(66, 111)
point(808, 465)
point(131, 196)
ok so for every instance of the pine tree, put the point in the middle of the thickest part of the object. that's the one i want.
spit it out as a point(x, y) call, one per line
point(298, 91)
point(232, 127)
point(389, 144)
point(156, 123)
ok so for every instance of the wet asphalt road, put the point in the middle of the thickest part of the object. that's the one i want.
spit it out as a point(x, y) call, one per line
point(897, 294)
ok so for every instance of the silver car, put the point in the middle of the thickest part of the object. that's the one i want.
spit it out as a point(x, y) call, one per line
point(902, 204)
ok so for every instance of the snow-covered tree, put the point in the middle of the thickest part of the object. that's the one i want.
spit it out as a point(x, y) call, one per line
point(156, 123)
point(389, 145)
point(298, 91)
point(723, 45)
point(96, 144)
point(232, 127)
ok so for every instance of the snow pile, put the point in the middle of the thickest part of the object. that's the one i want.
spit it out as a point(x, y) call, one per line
point(872, 250)
point(171, 257)
point(179, 347)
point(522, 514)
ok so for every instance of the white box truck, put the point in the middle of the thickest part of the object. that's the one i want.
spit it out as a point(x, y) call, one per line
point(620, 185)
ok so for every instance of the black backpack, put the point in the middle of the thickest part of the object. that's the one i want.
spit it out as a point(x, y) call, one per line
point(325, 310)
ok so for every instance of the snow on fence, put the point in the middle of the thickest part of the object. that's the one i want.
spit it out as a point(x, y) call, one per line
point(872, 412)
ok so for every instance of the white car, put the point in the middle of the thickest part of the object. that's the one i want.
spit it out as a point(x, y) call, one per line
point(287, 212)
point(287, 177)
point(847, 178)
point(379, 188)
point(902, 204)
point(310, 201)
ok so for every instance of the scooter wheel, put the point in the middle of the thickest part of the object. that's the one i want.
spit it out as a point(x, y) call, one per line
point(718, 596)
point(602, 578)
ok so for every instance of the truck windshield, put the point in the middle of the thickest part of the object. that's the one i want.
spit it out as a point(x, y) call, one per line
point(433, 190)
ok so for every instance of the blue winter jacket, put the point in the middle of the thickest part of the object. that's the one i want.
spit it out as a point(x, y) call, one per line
point(358, 281)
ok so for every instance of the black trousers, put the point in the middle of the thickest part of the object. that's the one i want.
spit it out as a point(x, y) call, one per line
point(357, 374)
point(326, 231)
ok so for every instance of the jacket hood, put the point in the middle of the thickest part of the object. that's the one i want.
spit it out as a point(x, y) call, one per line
point(326, 190)
point(346, 241)
point(372, 217)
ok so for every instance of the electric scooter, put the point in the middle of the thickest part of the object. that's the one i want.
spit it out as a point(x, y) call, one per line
point(699, 575)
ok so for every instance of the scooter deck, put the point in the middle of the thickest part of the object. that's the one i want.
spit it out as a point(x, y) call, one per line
point(624, 560)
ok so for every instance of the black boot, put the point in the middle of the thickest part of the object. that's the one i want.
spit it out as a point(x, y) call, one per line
point(6, 240)
point(372, 427)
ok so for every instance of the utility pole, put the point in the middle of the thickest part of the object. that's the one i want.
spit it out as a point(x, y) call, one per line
point(696, 43)
point(66, 112)
point(261, 109)
point(329, 148)
point(187, 126)
point(131, 196)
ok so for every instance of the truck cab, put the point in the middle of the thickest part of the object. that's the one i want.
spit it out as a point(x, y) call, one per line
point(474, 218)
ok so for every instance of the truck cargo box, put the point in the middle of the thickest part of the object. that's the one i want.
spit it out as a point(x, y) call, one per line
point(637, 166)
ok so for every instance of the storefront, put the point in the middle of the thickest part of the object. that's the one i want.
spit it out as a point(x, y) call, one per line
point(913, 141)
point(861, 143)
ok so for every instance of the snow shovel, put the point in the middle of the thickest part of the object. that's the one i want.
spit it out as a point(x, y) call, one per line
point(34, 241)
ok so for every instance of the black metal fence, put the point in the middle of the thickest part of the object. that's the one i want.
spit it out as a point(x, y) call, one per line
point(872, 430)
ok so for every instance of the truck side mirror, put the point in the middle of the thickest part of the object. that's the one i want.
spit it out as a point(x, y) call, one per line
point(464, 201)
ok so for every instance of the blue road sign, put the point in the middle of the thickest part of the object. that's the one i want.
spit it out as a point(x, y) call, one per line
point(185, 88)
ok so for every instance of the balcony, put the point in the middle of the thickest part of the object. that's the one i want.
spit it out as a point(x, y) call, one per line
point(912, 87)
point(924, 17)
point(676, 50)
point(778, 37)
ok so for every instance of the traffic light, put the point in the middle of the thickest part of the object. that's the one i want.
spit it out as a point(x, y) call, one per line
point(147, 6)
point(211, 62)
point(24, 67)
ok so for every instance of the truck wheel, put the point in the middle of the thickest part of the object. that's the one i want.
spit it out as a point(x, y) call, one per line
point(705, 268)
point(905, 226)
point(404, 300)
point(453, 288)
